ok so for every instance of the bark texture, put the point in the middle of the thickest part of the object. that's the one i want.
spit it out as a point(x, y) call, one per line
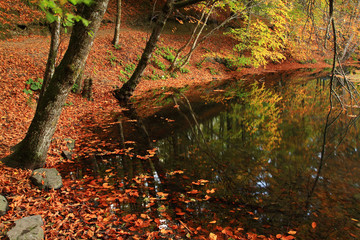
point(117, 24)
point(31, 152)
point(54, 46)
point(87, 90)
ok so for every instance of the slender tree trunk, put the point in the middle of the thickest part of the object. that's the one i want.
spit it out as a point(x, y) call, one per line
point(126, 91)
point(117, 24)
point(194, 45)
point(350, 46)
point(54, 46)
point(174, 64)
point(197, 42)
point(31, 152)
point(153, 11)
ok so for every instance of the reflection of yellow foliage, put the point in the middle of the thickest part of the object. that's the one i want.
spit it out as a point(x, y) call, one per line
point(261, 117)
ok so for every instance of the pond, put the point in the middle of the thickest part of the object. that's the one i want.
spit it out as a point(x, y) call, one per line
point(246, 160)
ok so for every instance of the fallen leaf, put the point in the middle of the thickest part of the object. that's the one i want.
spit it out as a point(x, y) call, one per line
point(212, 236)
point(313, 224)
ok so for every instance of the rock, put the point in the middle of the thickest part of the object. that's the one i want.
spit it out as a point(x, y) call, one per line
point(67, 155)
point(27, 228)
point(46, 178)
point(70, 143)
point(4, 206)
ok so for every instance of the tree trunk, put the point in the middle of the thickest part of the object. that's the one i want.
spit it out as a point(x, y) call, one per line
point(78, 83)
point(197, 42)
point(117, 24)
point(87, 90)
point(54, 46)
point(174, 64)
point(31, 152)
point(185, 61)
point(126, 91)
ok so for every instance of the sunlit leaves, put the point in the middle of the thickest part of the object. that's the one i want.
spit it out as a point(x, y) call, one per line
point(259, 113)
point(71, 19)
point(57, 8)
point(263, 37)
point(213, 236)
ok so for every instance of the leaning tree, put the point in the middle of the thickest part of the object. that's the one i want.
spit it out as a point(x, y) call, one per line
point(31, 152)
point(126, 91)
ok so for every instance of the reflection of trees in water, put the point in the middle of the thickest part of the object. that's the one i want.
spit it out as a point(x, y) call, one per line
point(259, 159)
point(336, 142)
point(278, 181)
point(328, 192)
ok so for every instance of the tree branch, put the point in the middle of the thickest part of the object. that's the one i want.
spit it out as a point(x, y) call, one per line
point(185, 3)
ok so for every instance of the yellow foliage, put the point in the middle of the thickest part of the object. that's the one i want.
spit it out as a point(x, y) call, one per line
point(265, 37)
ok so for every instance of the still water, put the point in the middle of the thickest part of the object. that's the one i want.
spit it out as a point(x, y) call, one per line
point(251, 158)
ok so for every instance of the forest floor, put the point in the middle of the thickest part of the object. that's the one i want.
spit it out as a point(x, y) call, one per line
point(24, 58)
point(68, 213)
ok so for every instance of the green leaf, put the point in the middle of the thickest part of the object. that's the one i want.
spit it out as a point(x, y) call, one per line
point(91, 33)
point(87, 2)
point(85, 22)
point(28, 91)
point(51, 18)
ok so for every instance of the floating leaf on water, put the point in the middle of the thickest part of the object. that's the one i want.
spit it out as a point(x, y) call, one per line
point(313, 225)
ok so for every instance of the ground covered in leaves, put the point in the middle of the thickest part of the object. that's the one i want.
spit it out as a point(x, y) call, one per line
point(89, 207)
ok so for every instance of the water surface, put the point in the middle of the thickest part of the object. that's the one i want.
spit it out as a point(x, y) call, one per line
point(248, 159)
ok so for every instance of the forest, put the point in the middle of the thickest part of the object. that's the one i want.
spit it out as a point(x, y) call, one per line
point(179, 119)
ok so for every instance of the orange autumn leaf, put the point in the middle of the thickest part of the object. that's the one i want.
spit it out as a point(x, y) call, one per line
point(278, 235)
point(212, 236)
point(162, 195)
point(207, 197)
point(144, 216)
point(194, 191)
point(90, 233)
point(291, 232)
point(313, 225)
point(106, 185)
point(210, 191)
point(139, 222)
point(227, 231)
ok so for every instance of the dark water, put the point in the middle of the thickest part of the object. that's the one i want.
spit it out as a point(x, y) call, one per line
point(262, 156)
point(253, 160)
